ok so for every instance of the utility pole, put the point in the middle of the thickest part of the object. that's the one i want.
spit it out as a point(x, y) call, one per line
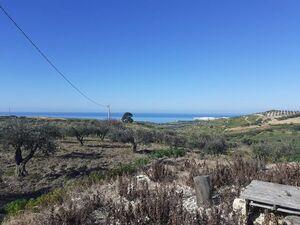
point(108, 112)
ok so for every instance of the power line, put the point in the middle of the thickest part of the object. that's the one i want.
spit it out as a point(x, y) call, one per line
point(52, 64)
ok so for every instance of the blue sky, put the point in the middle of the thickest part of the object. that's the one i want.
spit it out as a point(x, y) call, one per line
point(152, 55)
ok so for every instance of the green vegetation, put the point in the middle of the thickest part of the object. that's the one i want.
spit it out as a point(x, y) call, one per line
point(127, 117)
point(14, 207)
point(171, 152)
point(28, 138)
point(48, 199)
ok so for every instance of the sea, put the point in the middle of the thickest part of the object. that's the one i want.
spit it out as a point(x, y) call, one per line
point(141, 117)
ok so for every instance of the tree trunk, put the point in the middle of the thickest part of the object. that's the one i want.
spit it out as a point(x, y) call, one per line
point(21, 170)
point(21, 166)
point(18, 156)
point(134, 147)
point(80, 139)
point(81, 142)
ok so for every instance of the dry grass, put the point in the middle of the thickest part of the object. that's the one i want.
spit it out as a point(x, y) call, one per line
point(159, 200)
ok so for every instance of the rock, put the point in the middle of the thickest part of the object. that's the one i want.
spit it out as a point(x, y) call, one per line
point(260, 220)
point(239, 206)
point(143, 178)
point(267, 219)
point(190, 204)
point(185, 190)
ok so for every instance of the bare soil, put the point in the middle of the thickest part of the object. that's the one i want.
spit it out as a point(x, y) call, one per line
point(68, 162)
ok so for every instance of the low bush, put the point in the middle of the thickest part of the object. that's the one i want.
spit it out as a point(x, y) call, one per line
point(210, 144)
point(274, 152)
point(47, 199)
point(248, 141)
point(14, 207)
point(217, 145)
point(164, 205)
point(170, 152)
point(159, 172)
point(241, 171)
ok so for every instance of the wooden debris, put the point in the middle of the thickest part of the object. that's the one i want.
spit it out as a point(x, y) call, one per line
point(272, 196)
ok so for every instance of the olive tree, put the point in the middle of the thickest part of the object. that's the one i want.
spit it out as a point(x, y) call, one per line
point(134, 137)
point(101, 131)
point(26, 140)
point(81, 132)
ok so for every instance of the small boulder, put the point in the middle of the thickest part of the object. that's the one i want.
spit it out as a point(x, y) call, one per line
point(260, 220)
point(239, 206)
point(143, 178)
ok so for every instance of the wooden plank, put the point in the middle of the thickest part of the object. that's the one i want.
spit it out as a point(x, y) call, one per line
point(292, 220)
point(274, 194)
point(203, 190)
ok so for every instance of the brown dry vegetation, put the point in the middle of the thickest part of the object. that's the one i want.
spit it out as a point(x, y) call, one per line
point(146, 198)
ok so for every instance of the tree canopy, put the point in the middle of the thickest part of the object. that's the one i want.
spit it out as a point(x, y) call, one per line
point(26, 139)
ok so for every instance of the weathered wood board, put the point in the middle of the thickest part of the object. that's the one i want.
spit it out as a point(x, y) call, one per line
point(203, 190)
point(277, 195)
point(294, 220)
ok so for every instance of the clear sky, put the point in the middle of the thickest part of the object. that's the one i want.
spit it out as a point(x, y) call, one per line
point(152, 55)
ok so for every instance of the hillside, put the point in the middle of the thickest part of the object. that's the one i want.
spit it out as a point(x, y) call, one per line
point(99, 172)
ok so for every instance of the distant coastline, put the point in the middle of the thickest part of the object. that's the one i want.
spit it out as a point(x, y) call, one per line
point(143, 117)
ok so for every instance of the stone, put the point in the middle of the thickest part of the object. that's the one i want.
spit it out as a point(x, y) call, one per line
point(239, 205)
point(260, 220)
point(143, 178)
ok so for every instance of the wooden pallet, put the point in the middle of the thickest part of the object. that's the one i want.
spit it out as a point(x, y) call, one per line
point(275, 197)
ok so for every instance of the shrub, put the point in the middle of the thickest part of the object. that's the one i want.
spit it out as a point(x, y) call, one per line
point(198, 141)
point(47, 199)
point(248, 141)
point(216, 145)
point(273, 152)
point(170, 152)
point(210, 144)
point(170, 138)
point(296, 127)
point(164, 205)
point(128, 168)
point(14, 207)
point(159, 172)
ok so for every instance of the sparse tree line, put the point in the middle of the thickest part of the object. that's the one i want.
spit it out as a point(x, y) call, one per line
point(27, 138)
